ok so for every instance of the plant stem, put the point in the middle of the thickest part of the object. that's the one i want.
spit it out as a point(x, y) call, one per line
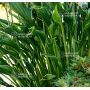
point(64, 40)
point(7, 13)
point(11, 16)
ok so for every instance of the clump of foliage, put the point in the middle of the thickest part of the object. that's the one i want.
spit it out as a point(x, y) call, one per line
point(31, 50)
point(77, 75)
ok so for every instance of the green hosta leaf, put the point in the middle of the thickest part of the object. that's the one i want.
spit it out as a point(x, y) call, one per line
point(42, 13)
point(13, 54)
point(2, 61)
point(3, 21)
point(53, 29)
point(89, 11)
point(59, 6)
point(83, 13)
point(48, 77)
point(15, 29)
point(84, 37)
point(41, 34)
point(59, 65)
point(87, 27)
point(3, 35)
point(32, 30)
point(20, 83)
point(8, 30)
point(9, 42)
point(51, 56)
point(30, 67)
point(23, 11)
point(3, 24)
point(4, 51)
point(56, 16)
point(37, 3)
point(87, 18)
point(5, 69)
point(38, 33)
point(18, 18)
point(48, 5)
point(50, 29)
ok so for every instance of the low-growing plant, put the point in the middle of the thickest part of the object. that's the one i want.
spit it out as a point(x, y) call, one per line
point(77, 75)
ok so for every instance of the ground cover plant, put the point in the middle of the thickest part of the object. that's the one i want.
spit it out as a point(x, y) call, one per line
point(77, 75)
point(42, 46)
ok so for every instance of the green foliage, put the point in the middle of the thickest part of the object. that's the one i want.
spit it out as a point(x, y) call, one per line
point(77, 75)
point(31, 50)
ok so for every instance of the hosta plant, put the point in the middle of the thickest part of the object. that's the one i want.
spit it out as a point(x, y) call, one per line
point(31, 50)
